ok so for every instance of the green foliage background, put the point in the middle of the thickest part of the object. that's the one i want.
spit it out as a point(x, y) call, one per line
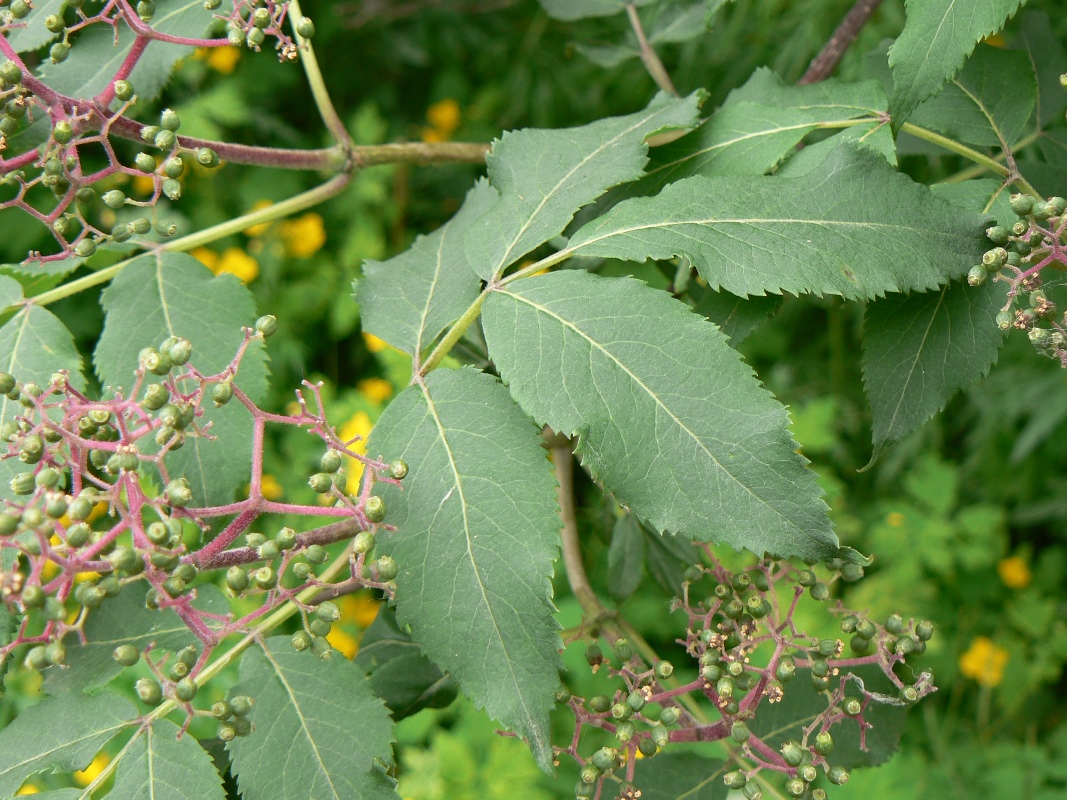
point(975, 497)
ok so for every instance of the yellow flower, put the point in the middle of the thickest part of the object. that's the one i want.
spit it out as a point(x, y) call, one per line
point(88, 775)
point(373, 343)
point(237, 261)
point(343, 641)
point(206, 256)
point(895, 519)
point(144, 184)
point(375, 389)
point(359, 425)
point(984, 662)
point(303, 236)
point(28, 788)
point(444, 116)
point(224, 59)
point(1015, 572)
point(261, 228)
point(272, 490)
point(361, 609)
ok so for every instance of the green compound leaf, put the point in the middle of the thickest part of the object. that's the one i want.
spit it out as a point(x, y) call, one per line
point(320, 733)
point(59, 734)
point(737, 317)
point(173, 294)
point(937, 38)
point(988, 103)
point(125, 620)
point(856, 228)
point(681, 776)
point(801, 704)
point(97, 54)
point(759, 125)
point(477, 534)
point(669, 417)
point(399, 672)
point(157, 765)
point(34, 344)
point(408, 300)
point(544, 176)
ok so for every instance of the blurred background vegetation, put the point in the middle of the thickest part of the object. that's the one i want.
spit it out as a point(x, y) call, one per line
point(967, 518)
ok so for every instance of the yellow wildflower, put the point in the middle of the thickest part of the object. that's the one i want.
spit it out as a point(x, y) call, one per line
point(1015, 572)
point(375, 389)
point(144, 185)
point(303, 236)
point(28, 788)
point(237, 261)
point(343, 642)
point(359, 425)
point(206, 256)
point(89, 774)
point(443, 117)
point(270, 487)
point(261, 228)
point(361, 609)
point(224, 59)
point(895, 519)
point(984, 662)
point(373, 343)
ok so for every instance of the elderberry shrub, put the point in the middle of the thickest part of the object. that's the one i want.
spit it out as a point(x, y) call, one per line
point(748, 656)
point(87, 504)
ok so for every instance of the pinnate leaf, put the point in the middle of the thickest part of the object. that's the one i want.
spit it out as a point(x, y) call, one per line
point(477, 528)
point(544, 176)
point(173, 294)
point(667, 414)
point(59, 734)
point(160, 766)
point(938, 36)
point(410, 298)
point(856, 228)
point(320, 732)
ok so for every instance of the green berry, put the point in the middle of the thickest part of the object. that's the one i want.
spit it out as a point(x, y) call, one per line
point(1057, 205)
point(330, 461)
point(807, 773)
point(1005, 320)
point(787, 668)
point(174, 587)
point(859, 644)
point(269, 550)
point(316, 554)
point(33, 597)
point(265, 578)
point(387, 569)
point(997, 234)
point(302, 570)
point(305, 28)
point(866, 629)
point(924, 630)
point(852, 707)
point(321, 648)
point(141, 226)
point(236, 579)
point(820, 591)
point(266, 326)
point(806, 578)
point(795, 787)
point(165, 139)
point(221, 393)
point(599, 703)
point(173, 167)
point(85, 248)
point(328, 612)
point(301, 640)
point(261, 18)
point(10, 74)
point(37, 657)
point(669, 715)
point(177, 671)
point(374, 509)
point(114, 198)
point(172, 188)
point(126, 654)
point(207, 157)
point(1041, 211)
point(1022, 204)
point(242, 705)
point(58, 53)
point(398, 469)
point(221, 710)
point(149, 690)
point(838, 776)
point(146, 9)
point(185, 689)
point(664, 670)
point(123, 90)
point(78, 535)
point(19, 9)
point(740, 733)
point(320, 483)
point(255, 37)
point(605, 759)
point(625, 731)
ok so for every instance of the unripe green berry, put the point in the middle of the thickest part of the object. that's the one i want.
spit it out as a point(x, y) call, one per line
point(605, 759)
point(261, 18)
point(165, 139)
point(33, 597)
point(820, 591)
point(739, 732)
point(172, 188)
point(269, 550)
point(305, 28)
point(149, 690)
point(266, 326)
point(625, 731)
point(85, 248)
point(185, 689)
point(320, 483)
point(302, 570)
point(177, 671)
point(146, 9)
point(859, 644)
point(331, 461)
point(123, 90)
point(175, 587)
point(173, 167)
point(179, 494)
point(37, 658)
point(168, 120)
point(236, 579)
point(242, 705)
point(255, 37)
point(837, 776)
point(1057, 205)
point(1022, 204)
point(207, 157)
point(664, 670)
point(265, 578)
point(114, 198)
point(58, 53)
point(126, 654)
point(997, 234)
point(795, 787)
point(78, 535)
point(806, 578)
point(221, 710)
point(787, 668)
point(301, 641)
point(398, 469)
point(387, 569)
point(924, 630)
point(852, 707)
point(316, 554)
point(321, 648)
point(374, 508)
point(221, 393)
point(599, 703)
point(227, 732)
point(10, 74)
point(1041, 211)
point(328, 612)
point(141, 226)
point(669, 715)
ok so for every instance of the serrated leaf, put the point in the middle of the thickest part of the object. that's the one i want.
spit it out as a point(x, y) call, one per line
point(581, 9)
point(759, 124)
point(98, 53)
point(679, 22)
point(125, 620)
point(737, 316)
point(874, 136)
point(681, 776)
point(477, 535)
point(857, 228)
point(34, 34)
point(778, 722)
point(173, 294)
point(920, 349)
point(34, 344)
point(626, 557)
point(409, 299)
point(320, 733)
point(59, 734)
point(1048, 59)
point(10, 291)
point(544, 176)
point(988, 103)
point(159, 765)
point(669, 417)
point(938, 36)
point(399, 672)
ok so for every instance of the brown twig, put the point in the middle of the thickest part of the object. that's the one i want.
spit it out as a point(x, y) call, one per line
point(648, 55)
point(826, 61)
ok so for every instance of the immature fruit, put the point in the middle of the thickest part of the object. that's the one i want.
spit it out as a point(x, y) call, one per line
point(265, 578)
point(852, 707)
point(267, 326)
point(320, 483)
point(363, 543)
point(1057, 205)
point(824, 743)
point(222, 393)
point(669, 715)
point(37, 658)
point(859, 644)
point(242, 705)
point(806, 578)
point(1022, 204)
point(787, 668)
point(33, 597)
point(207, 157)
point(305, 28)
point(664, 670)
point(58, 53)
point(795, 787)
point(605, 759)
point(924, 630)
point(374, 509)
point(185, 689)
point(331, 461)
point(85, 248)
point(998, 234)
point(328, 612)
point(735, 779)
point(149, 691)
point(168, 120)
point(301, 640)
point(178, 493)
point(126, 654)
point(387, 569)
point(599, 703)
point(838, 776)
point(123, 90)
point(740, 733)
point(236, 579)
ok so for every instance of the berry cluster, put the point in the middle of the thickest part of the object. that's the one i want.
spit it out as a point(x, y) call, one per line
point(748, 650)
point(1021, 254)
point(89, 521)
point(52, 175)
